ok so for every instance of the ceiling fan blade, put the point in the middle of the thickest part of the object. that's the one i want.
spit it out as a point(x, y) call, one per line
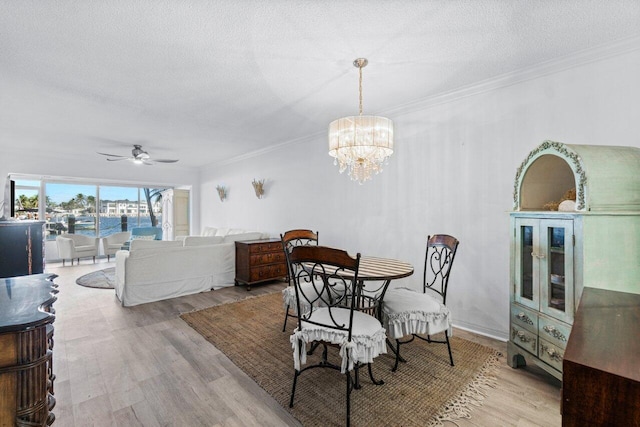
point(164, 160)
point(113, 155)
point(117, 160)
point(147, 162)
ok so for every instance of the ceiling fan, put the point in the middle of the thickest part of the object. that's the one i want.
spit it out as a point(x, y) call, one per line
point(139, 156)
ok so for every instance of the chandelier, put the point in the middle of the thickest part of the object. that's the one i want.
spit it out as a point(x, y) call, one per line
point(361, 144)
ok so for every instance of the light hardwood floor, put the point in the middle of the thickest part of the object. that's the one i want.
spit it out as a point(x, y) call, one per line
point(143, 366)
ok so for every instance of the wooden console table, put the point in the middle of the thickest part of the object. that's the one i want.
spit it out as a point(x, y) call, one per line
point(601, 383)
point(259, 261)
point(26, 343)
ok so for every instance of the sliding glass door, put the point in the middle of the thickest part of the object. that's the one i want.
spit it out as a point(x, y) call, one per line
point(71, 208)
point(85, 208)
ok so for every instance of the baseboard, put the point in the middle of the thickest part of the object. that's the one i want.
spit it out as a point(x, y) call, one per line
point(489, 333)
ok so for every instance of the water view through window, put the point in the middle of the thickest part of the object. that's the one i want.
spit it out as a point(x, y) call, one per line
point(94, 210)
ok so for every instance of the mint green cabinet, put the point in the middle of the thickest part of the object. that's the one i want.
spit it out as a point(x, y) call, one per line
point(554, 255)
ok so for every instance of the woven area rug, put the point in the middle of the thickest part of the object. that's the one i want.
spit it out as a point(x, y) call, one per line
point(104, 279)
point(424, 391)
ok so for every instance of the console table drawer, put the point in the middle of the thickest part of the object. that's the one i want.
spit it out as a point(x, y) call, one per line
point(270, 258)
point(267, 272)
point(266, 247)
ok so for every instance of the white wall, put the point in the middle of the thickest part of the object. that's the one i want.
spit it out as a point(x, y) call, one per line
point(452, 172)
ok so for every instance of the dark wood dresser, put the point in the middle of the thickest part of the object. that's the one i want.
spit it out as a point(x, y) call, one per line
point(21, 247)
point(601, 382)
point(259, 261)
point(26, 350)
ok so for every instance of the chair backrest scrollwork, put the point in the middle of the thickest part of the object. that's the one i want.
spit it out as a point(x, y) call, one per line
point(297, 237)
point(439, 257)
point(330, 271)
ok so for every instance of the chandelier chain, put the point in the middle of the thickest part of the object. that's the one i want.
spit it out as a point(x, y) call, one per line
point(360, 88)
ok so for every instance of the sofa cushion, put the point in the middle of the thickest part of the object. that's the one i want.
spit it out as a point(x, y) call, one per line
point(209, 231)
point(141, 237)
point(254, 235)
point(222, 232)
point(142, 243)
point(203, 240)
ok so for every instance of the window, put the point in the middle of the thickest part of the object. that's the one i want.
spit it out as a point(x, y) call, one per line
point(71, 208)
point(26, 198)
point(84, 208)
point(122, 208)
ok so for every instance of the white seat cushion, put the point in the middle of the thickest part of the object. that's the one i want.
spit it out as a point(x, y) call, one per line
point(311, 291)
point(407, 312)
point(368, 338)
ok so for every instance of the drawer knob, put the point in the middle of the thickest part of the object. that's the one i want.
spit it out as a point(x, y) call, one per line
point(555, 333)
point(523, 317)
point(552, 353)
point(521, 336)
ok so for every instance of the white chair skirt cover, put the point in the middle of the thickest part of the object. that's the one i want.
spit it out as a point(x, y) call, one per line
point(368, 337)
point(406, 312)
point(311, 290)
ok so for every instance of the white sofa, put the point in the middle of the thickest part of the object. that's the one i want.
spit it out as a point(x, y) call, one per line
point(227, 232)
point(76, 246)
point(157, 270)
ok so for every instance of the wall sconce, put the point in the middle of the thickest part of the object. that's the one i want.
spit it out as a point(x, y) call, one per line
point(258, 186)
point(222, 192)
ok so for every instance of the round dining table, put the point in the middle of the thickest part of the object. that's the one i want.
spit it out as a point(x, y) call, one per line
point(385, 269)
point(369, 296)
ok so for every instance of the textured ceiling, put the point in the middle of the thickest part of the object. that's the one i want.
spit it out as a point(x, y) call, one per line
point(207, 81)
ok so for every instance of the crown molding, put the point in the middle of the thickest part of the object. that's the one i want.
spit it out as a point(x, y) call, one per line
point(265, 150)
point(577, 59)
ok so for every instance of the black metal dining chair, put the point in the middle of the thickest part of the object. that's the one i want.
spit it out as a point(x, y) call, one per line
point(331, 318)
point(421, 314)
point(291, 239)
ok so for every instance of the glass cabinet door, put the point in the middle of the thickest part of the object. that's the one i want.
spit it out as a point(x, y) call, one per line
point(543, 265)
point(556, 272)
point(526, 263)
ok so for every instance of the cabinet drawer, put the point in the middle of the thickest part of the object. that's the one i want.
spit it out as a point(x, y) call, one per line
point(554, 331)
point(525, 339)
point(551, 354)
point(267, 272)
point(268, 258)
point(265, 247)
point(524, 318)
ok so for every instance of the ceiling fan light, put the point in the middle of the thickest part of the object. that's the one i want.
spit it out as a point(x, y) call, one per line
point(139, 157)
